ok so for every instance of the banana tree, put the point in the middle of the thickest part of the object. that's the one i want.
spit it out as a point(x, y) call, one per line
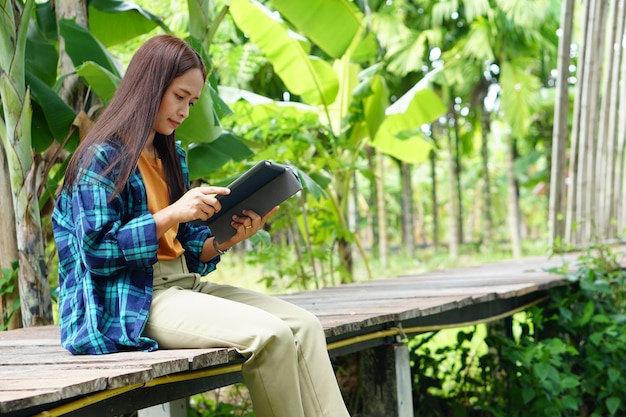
point(338, 87)
point(15, 134)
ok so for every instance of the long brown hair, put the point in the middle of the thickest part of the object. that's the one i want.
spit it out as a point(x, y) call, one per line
point(129, 118)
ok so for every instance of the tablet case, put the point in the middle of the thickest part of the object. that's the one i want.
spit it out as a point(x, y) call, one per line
point(261, 188)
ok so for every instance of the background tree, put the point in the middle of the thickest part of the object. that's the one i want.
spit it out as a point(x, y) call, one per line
point(592, 209)
point(15, 133)
point(561, 127)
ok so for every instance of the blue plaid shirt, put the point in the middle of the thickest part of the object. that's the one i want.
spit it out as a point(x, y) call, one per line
point(106, 252)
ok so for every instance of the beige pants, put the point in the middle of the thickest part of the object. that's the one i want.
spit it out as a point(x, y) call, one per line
point(287, 370)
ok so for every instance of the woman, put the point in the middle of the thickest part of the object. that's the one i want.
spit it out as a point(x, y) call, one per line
point(130, 262)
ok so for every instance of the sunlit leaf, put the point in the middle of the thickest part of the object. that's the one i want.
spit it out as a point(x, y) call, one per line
point(253, 109)
point(366, 49)
point(102, 82)
point(408, 55)
point(307, 76)
point(261, 239)
point(315, 189)
point(203, 124)
point(519, 96)
point(374, 105)
point(337, 111)
point(420, 105)
point(114, 21)
point(333, 35)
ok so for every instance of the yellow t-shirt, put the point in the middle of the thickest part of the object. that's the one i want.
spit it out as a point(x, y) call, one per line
point(158, 198)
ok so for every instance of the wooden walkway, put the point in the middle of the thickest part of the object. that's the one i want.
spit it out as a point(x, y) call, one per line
point(38, 376)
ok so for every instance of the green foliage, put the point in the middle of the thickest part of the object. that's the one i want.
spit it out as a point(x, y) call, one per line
point(7, 287)
point(211, 404)
point(566, 358)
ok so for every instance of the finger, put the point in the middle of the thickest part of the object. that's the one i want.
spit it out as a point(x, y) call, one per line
point(207, 210)
point(254, 222)
point(238, 224)
point(213, 190)
point(211, 201)
point(269, 214)
point(244, 218)
point(243, 229)
point(252, 215)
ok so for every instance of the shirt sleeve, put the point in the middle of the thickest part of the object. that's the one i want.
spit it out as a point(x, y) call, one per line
point(191, 236)
point(111, 235)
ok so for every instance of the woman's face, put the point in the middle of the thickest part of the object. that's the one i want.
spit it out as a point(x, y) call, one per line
point(181, 94)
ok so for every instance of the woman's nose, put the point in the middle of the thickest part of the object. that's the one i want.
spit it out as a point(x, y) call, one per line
point(183, 111)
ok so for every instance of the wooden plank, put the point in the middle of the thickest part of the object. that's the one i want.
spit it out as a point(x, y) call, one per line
point(162, 362)
point(69, 383)
point(47, 388)
point(28, 371)
point(20, 400)
point(412, 287)
point(387, 311)
point(31, 336)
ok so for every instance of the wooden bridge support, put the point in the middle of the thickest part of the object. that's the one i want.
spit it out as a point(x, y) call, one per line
point(176, 408)
point(386, 381)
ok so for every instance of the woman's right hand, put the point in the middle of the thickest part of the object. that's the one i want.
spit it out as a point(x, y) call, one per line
point(199, 203)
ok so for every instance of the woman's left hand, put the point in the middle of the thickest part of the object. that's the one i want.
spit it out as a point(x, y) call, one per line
point(247, 225)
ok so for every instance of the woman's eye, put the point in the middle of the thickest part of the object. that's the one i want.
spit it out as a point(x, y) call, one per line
point(178, 96)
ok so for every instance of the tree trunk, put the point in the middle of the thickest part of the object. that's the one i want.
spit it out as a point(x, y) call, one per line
point(605, 139)
point(514, 211)
point(621, 135)
point(613, 118)
point(591, 202)
point(72, 88)
point(457, 178)
point(373, 195)
point(406, 197)
point(11, 318)
point(354, 218)
point(381, 211)
point(560, 130)
point(36, 304)
point(454, 212)
point(586, 146)
point(344, 245)
point(487, 229)
point(345, 260)
point(432, 157)
point(578, 125)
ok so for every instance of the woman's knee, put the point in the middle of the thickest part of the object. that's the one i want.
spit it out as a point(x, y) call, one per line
point(308, 323)
point(275, 329)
